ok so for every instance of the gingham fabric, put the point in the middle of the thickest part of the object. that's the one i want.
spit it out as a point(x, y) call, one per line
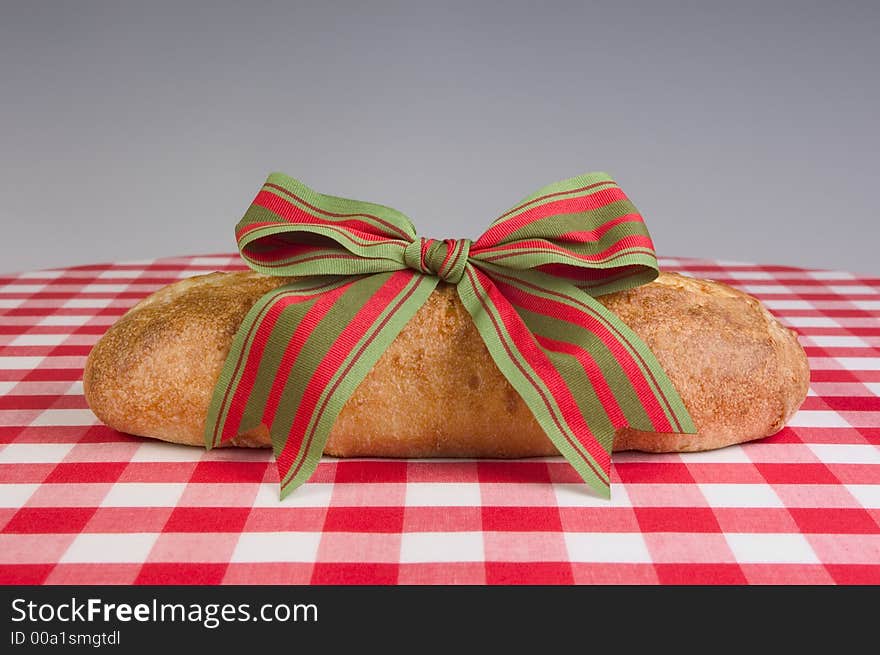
point(83, 504)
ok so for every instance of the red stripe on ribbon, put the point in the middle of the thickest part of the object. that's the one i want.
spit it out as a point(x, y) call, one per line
point(252, 364)
point(596, 200)
point(553, 195)
point(304, 329)
point(395, 230)
point(639, 242)
point(292, 213)
point(579, 275)
point(594, 374)
point(613, 340)
point(526, 345)
point(588, 236)
point(341, 348)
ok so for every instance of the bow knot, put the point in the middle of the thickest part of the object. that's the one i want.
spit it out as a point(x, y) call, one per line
point(445, 259)
point(359, 273)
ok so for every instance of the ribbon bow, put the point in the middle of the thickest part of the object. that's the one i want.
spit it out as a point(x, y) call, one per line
point(528, 283)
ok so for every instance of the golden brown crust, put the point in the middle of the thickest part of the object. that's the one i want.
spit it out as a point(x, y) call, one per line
point(436, 391)
point(739, 371)
point(153, 371)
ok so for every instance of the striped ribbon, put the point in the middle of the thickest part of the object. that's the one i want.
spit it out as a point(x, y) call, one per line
point(528, 283)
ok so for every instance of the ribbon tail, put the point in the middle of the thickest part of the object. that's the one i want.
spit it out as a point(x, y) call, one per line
point(579, 369)
point(241, 389)
point(322, 349)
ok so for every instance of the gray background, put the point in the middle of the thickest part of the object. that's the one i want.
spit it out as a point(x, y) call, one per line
point(743, 131)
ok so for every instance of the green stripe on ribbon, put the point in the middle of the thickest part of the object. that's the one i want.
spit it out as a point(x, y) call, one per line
point(528, 283)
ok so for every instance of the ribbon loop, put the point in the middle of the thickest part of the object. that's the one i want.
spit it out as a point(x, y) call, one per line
point(445, 259)
point(528, 283)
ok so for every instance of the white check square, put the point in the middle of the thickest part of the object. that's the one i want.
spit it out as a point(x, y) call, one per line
point(20, 363)
point(22, 288)
point(39, 275)
point(277, 547)
point(65, 319)
point(109, 548)
point(76, 389)
point(868, 495)
point(860, 363)
point(83, 303)
point(571, 494)
point(787, 304)
point(621, 547)
point(728, 455)
point(765, 288)
point(846, 453)
point(442, 494)
point(749, 275)
point(210, 261)
point(166, 452)
point(831, 341)
point(313, 494)
point(830, 275)
point(116, 274)
point(740, 495)
point(817, 419)
point(853, 289)
point(771, 548)
point(66, 417)
point(16, 495)
point(39, 339)
point(810, 321)
point(144, 494)
point(104, 288)
point(442, 547)
point(34, 453)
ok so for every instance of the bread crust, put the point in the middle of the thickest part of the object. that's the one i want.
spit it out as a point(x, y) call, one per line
point(436, 391)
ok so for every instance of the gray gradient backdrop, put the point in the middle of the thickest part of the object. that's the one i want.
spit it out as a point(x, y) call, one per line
point(743, 131)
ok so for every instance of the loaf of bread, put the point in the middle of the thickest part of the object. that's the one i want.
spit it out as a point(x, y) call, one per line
point(436, 392)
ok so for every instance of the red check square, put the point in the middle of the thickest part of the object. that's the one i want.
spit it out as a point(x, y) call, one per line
point(529, 573)
point(619, 574)
point(855, 574)
point(454, 573)
point(24, 574)
point(522, 519)
point(364, 519)
point(648, 472)
point(442, 519)
point(512, 471)
point(676, 519)
point(837, 520)
point(700, 574)
point(172, 573)
point(260, 573)
point(370, 471)
point(207, 519)
point(94, 574)
point(219, 472)
point(355, 574)
point(787, 574)
point(800, 473)
point(52, 520)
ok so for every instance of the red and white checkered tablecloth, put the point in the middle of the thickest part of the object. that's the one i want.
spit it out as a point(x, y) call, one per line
point(83, 504)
